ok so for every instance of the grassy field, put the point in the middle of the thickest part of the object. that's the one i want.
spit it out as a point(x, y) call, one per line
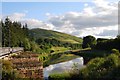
point(71, 41)
point(58, 49)
point(42, 33)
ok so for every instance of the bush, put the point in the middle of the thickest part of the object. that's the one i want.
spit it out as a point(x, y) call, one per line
point(107, 68)
point(93, 67)
point(111, 61)
point(7, 70)
point(115, 51)
point(101, 68)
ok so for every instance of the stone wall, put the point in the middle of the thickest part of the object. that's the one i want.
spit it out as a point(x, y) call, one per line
point(27, 65)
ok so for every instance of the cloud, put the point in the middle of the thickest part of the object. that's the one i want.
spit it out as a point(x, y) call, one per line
point(85, 4)
point(17, 16)
point(91, 20)
point(99, 20)
point(48, 14)
point(34, 23)
point(89, 17)
point(110, 31)
point(0, 17)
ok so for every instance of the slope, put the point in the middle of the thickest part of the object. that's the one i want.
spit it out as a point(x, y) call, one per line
point(42, 33)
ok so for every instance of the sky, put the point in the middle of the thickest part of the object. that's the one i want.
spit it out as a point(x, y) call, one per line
point(39, 10)
point(98, 17)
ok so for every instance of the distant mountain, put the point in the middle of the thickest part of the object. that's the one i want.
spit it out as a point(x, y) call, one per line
point(42, 33)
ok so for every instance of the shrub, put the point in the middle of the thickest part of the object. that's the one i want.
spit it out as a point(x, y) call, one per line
point(107, 68)
point(111, 61)
point(115, 51)
point(7, 71)
point(101, 68)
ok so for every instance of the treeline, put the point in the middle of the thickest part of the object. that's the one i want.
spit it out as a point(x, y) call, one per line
point(101, 43)
point(108, 44)
point(46, 43)
point(15, 34)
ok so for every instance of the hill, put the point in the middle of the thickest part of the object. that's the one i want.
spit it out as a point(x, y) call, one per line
point(42, 33)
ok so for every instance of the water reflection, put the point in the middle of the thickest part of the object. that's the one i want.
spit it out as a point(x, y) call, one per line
point(63, 67)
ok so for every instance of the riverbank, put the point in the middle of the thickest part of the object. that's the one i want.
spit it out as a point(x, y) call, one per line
point(63, 66)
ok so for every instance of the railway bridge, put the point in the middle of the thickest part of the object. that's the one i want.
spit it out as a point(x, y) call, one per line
point(6, 51)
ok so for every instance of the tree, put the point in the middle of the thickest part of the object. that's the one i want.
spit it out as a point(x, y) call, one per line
point(13, 34)
point(6, 32)
point(89, 41)
point(1, 23)
point(26, 44)
point(34, 47)
point(26, 30)
point(108, 44)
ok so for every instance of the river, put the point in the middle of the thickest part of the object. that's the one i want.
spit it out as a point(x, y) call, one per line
point(63, 66)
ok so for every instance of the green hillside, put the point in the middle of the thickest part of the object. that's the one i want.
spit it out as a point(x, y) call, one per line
point(42, 33)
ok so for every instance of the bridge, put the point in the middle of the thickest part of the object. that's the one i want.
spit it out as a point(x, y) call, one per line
point(6, 51)
point(28, 65)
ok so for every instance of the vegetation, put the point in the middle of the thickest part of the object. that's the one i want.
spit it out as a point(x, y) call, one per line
point(107, 68)
point(89, 41)
point(101, 56)
point(101, 63)
point(101, 43)
point(108, 44)
point(15, 34)
point(89, 54)
point(58, 49)
point(7, 70)
point(104, 68)
point(56, 76)
point(47, 43)
point(42, 33)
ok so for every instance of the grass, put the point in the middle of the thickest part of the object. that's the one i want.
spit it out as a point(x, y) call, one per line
point(56, 76)
point(58, 49)
point(71, 41)
point(42, 33)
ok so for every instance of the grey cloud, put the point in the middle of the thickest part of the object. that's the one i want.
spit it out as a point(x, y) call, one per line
point(97, 16)
point(112, 33)
point(81, 22)
point(76, 23)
